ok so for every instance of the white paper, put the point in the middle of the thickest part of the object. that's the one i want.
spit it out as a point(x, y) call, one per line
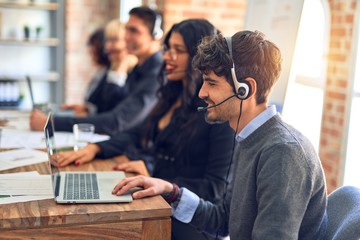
point(21, 157)
point(17, 199)
point(26, 185)
point(12, 138)
point(16, 119)
point(30, 173)
point(8, 198)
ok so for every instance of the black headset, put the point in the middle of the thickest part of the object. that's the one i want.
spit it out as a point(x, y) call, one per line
point(157, 32)
point(242, 87)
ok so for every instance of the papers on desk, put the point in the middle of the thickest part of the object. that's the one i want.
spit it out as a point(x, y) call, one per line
point(12, 138)
point(15, 119)
point(24, 187)
point(21, 157)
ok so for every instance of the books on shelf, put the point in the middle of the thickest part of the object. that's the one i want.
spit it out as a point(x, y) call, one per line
point(9, 93)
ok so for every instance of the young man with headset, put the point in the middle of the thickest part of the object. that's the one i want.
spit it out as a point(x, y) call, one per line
point(142, 35)
point(278, 191)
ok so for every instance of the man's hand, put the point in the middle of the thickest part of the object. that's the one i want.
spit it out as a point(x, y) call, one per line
point(37, 120)
point(78, 157)
point(151, 186)
point(134, 167)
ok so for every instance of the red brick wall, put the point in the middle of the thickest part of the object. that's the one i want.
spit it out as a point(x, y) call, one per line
point(226, 15)
point(334, 120)
point(82, 18)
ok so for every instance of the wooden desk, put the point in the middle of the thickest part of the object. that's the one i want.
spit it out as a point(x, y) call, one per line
point(142, 219)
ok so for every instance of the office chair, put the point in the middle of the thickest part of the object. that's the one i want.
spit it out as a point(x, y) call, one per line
point(344, 214)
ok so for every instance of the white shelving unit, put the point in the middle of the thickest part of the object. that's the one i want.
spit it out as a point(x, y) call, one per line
point(27, 52)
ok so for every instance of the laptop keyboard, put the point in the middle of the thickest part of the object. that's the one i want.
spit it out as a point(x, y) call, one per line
point(81, 186)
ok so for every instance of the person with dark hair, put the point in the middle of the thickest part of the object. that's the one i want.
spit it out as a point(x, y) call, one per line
point(96, 47)
point(152, 19)
point(138, 93)
point(174, 142)
point(108, 53)
point(101, 63)
point(278, 189)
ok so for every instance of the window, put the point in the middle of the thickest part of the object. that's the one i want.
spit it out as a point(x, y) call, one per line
point(126, 6)
point(352, 162)
point(304, 98)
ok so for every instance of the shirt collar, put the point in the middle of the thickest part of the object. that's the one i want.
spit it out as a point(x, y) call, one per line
point(254, 124)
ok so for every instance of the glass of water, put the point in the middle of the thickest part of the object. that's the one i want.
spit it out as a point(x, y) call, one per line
point(83, 134)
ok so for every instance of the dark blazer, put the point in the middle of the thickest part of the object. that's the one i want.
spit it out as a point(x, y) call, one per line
point(106, 95)
point(140, 90)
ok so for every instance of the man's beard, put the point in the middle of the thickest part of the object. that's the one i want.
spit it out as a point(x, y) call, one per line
point(213, 121)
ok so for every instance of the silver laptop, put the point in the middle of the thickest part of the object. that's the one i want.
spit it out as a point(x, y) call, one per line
point(47, 107)
point(80, 187)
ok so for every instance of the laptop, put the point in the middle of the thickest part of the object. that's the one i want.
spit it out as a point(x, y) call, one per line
point(80, 187)
point(46, 107)
point(28, 81)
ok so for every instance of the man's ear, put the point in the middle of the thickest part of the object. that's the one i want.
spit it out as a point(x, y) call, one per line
point(253, 85)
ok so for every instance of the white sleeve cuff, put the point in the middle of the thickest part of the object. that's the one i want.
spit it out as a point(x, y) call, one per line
point(117, 78)
point(186, 208)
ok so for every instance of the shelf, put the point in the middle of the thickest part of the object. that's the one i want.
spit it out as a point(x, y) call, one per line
point(52, 42)
point(41, 56)
point(29, 5)
point(49, 77)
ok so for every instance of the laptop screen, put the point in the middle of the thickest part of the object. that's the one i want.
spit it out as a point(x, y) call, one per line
point(52, 153)
point(28, 80)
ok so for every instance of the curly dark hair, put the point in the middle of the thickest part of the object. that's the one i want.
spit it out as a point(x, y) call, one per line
point(254, 57)
point(192, 31)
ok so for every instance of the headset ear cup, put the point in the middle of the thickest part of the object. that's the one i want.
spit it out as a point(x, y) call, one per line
point(242, 87)
point(157, 32)
point(244, 90)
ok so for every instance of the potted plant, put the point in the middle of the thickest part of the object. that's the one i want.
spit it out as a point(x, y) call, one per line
point(38, 30)
point(26, 32)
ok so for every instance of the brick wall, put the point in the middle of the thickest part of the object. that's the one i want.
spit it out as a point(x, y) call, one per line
point(334, 120)
point(82, 18)
point(226, 15)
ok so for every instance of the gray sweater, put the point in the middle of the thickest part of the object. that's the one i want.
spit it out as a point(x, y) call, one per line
point(278, 191)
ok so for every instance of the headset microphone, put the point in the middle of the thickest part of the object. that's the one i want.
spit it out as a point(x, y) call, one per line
point(200, 109)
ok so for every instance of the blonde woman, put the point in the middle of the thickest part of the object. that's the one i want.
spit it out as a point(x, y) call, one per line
point(108, 53)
